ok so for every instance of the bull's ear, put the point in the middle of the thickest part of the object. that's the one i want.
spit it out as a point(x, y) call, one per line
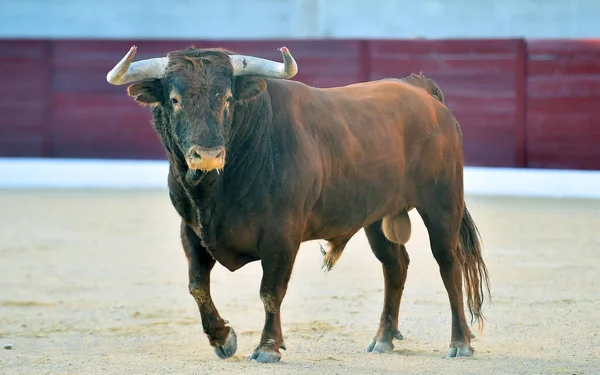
point(248, 87)
point(148, 93)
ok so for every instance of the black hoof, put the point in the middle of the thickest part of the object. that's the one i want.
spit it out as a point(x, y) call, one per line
point(262, 356)
point(230, 347)
point(460, 350)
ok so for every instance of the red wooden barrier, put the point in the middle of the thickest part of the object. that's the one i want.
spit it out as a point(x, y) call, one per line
point(519, 103)
point(563, 104)
point(24, 92)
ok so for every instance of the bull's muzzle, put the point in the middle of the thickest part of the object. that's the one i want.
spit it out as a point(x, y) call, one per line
point(206, 159)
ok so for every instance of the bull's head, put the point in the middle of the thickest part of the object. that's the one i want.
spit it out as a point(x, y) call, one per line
point(199, 89)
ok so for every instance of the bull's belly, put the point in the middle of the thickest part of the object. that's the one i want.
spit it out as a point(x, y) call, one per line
point(343, 217)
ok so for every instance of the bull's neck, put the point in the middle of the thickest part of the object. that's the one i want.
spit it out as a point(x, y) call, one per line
point(200, 193)
point(249, 151)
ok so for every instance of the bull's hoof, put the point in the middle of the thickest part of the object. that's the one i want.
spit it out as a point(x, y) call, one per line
point(265, 356)
point(230, 347)
point(459, 349)
point(381, 346)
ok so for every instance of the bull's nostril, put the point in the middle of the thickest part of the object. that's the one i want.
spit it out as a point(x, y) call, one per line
point(215, 153)
point(194, 153)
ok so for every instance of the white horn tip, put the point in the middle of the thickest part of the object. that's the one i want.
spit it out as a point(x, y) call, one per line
point(131, 54)
point(290, 65)
point(115, 75)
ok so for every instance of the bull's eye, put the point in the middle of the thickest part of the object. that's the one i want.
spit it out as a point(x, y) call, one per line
point(174, 101)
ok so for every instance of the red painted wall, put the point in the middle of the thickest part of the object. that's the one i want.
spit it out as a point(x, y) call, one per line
point(520, 103)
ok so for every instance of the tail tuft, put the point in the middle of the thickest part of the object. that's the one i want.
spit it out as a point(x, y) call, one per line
point(336, 248)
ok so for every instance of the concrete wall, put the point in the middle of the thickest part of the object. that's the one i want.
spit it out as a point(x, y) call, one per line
point(255, 19)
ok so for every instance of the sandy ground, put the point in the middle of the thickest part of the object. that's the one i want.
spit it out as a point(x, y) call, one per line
point(95, 282)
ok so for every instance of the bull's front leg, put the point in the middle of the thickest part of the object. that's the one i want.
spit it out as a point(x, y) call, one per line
point(222, 338)
point(277, 262)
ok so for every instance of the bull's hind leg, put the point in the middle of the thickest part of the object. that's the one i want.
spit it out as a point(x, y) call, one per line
point(200, 263)
point(394, 260)
point(441, 211)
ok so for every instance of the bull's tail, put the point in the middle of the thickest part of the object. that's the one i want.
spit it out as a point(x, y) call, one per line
point(475, 272)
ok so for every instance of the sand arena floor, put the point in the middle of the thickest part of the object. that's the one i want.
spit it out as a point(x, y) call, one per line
point(95, 282)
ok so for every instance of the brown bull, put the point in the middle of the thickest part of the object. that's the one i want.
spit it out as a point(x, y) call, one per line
point(260, 164)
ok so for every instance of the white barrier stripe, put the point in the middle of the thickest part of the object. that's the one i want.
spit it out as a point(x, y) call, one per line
point(43, 173)
point(530, 182)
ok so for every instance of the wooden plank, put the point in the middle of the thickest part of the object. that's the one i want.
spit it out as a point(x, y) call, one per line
point(563, 47)
point(21, 49)
point(22, 146)
point(556, 66)
point(564, 86)
point(464, 65)
point(479, 105)
point(47, 90)
point(558, 105)
point(520, 85)
point(476, 47)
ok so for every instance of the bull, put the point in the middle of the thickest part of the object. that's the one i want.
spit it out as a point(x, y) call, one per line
point(259, 163)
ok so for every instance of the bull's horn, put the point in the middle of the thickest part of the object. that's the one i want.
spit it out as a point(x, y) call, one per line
point(249, 65)
point(127, 71)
